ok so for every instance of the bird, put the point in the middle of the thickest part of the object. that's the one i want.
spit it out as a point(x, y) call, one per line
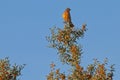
point(67, 17)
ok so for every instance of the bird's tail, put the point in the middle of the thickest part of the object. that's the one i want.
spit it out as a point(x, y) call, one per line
point(71, 24)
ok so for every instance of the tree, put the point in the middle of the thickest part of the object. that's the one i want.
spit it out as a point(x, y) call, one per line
point(8, 72)
point(69, 51)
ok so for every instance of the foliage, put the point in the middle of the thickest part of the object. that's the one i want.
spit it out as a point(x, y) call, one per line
point(69, 51)
point(8, 72)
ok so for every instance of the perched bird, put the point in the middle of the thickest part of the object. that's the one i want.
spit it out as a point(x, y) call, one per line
point(67, 18)
point(66, 15)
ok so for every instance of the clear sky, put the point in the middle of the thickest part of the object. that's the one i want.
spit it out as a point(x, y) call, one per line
point(24, 24)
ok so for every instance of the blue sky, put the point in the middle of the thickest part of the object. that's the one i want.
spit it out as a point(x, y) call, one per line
point(24, 24)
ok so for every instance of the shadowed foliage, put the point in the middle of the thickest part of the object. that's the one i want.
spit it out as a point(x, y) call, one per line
point(9, 72)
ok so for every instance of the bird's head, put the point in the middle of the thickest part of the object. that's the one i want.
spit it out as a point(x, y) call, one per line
point(68, 9)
